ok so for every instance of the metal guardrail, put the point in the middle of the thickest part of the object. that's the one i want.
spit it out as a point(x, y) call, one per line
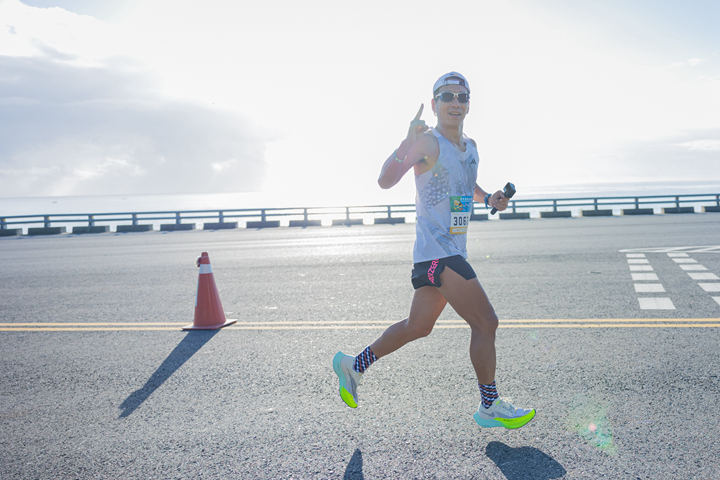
point(306, 216)
point(597, 202)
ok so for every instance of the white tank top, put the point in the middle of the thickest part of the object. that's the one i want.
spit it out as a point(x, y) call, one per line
point(444, 202)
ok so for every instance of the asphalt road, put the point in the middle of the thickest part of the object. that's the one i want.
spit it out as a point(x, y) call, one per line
point(98, 381)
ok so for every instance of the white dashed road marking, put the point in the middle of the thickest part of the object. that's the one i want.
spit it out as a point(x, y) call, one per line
point(703, 276)
point(675, 251)
point(641, 268)
point(647, 303)
point(692, 267)
point(656, 304)
point(638, 277)
point(649, 288)
point(638, 262)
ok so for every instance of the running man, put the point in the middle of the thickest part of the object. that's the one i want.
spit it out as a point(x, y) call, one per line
point(445, 162)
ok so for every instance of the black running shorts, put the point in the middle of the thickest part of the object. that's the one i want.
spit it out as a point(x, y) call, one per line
point(428, 273)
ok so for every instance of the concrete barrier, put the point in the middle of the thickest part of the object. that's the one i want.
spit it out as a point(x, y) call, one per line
point(263, 224)
point(597, 213)
point(670, 210)
point(348, 221)
point(564, 214)
point(172, 227)
point(713, 208)
point(389, 220)
point(134, 228)
point(479, 217)
point(10, 232)
point(305, 223)
point(93, 229)
point(220, 225)
point(638, 211)
point(515, 216)
point(46, 230)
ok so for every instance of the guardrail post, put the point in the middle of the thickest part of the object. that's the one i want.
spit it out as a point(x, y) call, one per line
point(177, 218)
point(554, 205)
point(513, 207)
point(47, 221)
point(717, 199)
point(347, 213)
point(221, 216)
point(91, 220)
point(637, 203)
point(389, 208)
point(305, 214)
point(595, 202)
point(3, 224)
point(134, 219)
point(677, 202)
point(263, 216)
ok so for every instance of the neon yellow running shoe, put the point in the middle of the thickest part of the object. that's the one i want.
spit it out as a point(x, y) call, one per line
point(349, 378)
point(503, 414)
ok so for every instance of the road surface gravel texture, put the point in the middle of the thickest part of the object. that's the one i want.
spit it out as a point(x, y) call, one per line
point(98, 380)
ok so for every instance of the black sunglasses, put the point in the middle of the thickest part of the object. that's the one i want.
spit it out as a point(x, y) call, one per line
point(449, 96)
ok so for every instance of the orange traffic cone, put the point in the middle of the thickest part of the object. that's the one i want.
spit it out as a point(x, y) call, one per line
point(209, 314)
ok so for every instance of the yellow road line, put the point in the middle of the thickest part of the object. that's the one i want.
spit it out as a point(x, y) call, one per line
point(376, 324)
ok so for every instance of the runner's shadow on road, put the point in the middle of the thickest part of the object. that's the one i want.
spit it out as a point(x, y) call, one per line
point(354, 468)
point(524, 462)
point(189, 346)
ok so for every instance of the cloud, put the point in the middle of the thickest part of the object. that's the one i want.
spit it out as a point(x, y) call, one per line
point(704, 145)
point(67, 128)
point(687, 156)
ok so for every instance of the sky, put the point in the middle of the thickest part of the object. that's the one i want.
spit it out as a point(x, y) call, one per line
point(304, 101)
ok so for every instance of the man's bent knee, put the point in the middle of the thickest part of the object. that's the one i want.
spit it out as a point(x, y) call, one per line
point(486, 325)
point(418, 331)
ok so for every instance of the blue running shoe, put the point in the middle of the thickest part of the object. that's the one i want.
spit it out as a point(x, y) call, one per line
point(503, 414)
point(349, 378)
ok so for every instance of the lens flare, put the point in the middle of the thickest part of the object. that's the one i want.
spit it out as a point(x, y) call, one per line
point(588, 418)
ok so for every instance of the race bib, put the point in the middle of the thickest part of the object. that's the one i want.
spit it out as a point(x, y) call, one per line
point(460, 214)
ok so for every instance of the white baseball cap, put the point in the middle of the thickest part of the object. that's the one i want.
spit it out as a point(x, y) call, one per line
point(452, 78)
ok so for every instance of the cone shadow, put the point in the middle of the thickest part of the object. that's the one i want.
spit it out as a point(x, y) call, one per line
point(354, 468)
point(524, 462)
point(189, 346)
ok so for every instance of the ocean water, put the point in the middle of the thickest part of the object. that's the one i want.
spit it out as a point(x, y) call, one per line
point(38, 206)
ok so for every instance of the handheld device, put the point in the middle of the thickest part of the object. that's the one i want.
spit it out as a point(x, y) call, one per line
point(508, 192)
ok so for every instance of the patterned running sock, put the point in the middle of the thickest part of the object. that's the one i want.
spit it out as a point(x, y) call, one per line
point(489, 394)
point(364, 360)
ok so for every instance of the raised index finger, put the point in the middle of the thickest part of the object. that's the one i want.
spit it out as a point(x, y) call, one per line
point(417, 117)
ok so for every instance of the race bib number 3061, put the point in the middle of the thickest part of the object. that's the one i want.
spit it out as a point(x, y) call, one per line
point(460, 214)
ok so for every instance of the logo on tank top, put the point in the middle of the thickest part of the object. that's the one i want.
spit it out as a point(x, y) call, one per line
point(473, 161)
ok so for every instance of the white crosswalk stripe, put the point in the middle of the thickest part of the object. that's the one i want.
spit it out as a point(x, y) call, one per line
point(656, 304)
point(703, 276)
point(710, 287)
point(692, 267)
point(637, 261)
point(649, 288)
point(638, 277)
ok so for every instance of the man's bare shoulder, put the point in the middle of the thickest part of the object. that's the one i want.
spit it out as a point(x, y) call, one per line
point(428, 145)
